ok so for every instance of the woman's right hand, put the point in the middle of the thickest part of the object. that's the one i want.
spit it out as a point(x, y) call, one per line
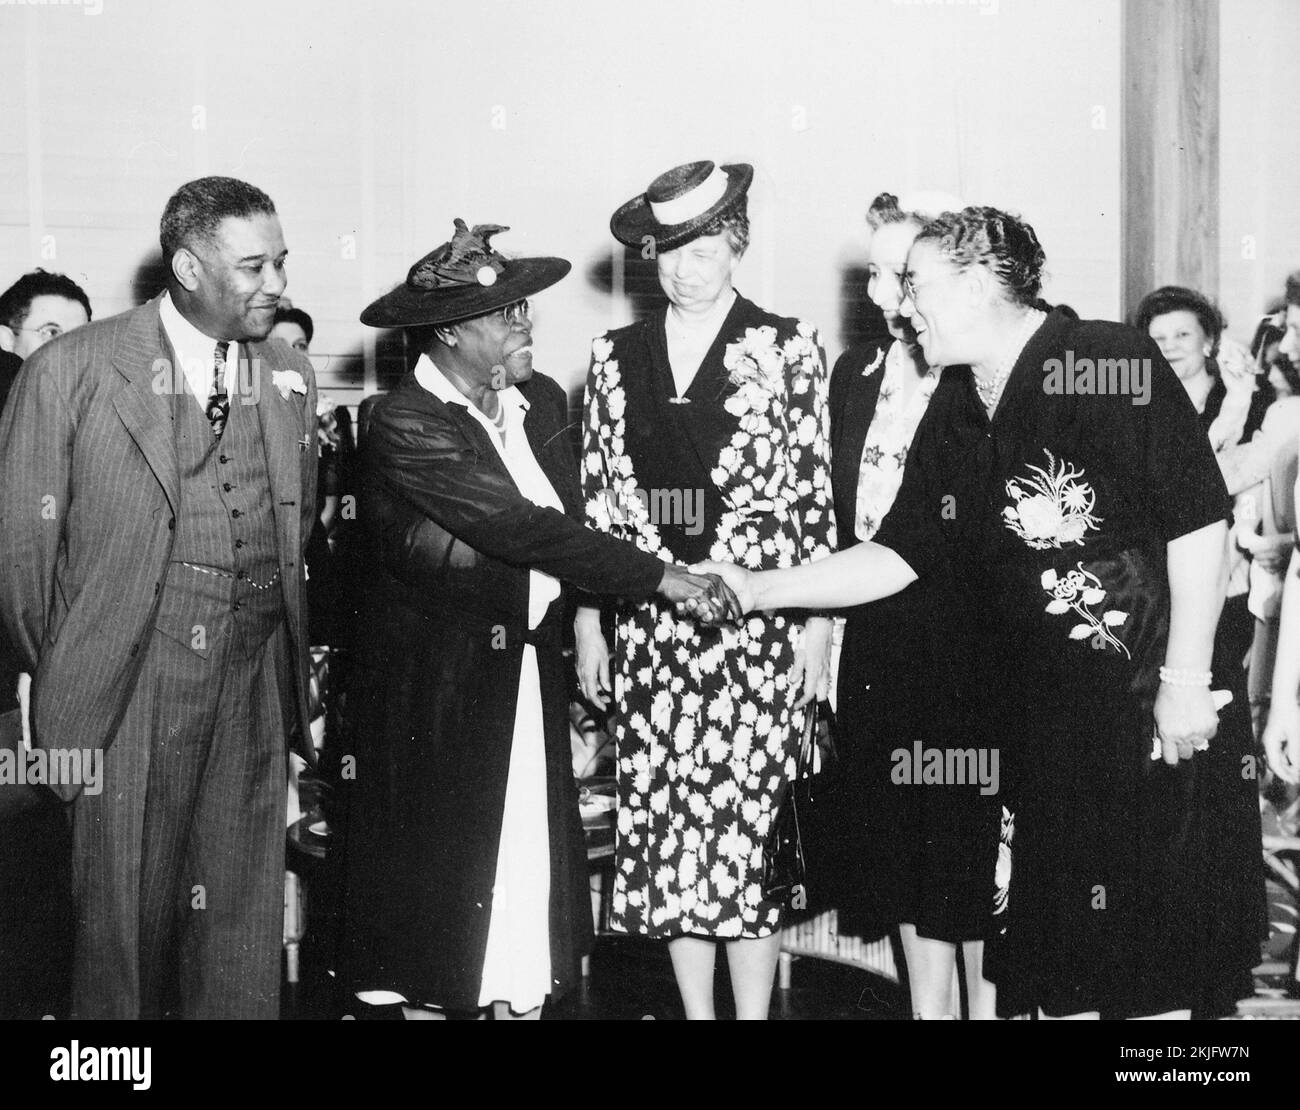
point(1282, 739)
point(592, 658)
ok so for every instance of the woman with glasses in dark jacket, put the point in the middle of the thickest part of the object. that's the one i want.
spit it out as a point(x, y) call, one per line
point(465, 871)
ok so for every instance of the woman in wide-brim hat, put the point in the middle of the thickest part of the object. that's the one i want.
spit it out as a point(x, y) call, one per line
point(706, 435)
point(465, 873)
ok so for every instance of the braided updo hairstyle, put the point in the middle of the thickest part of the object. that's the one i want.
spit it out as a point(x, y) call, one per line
point(1002, 243)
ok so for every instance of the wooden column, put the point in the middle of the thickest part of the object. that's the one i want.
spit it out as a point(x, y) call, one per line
point(1170, 152)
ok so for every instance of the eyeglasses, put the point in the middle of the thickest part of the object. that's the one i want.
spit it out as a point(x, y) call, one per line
point(911, 288)
point(46, 332)
point(516, 313)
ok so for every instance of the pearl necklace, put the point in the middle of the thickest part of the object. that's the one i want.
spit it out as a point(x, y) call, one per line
point(991, 391)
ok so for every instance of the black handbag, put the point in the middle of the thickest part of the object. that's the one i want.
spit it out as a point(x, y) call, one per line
point(785, 871)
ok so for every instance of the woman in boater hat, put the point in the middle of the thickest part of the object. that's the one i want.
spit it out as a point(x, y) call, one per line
point(706, 437)
point(465, 871)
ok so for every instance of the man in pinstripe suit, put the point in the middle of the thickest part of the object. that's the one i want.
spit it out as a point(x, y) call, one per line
point(157, 486)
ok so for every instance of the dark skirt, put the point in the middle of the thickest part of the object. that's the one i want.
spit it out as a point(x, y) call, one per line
point(432, 722)
point(916, 852)
point(1135, 886)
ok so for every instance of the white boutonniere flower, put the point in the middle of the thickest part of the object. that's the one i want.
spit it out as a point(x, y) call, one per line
point(880, 357)
point(288, 381)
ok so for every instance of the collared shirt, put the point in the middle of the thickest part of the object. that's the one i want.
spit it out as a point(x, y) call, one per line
point(512, 446)
point(196, 353)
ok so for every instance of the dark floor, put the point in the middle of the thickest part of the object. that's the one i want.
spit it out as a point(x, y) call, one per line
point(631, 979)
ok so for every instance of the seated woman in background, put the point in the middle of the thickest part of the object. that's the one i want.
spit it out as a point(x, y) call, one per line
point(921, 861)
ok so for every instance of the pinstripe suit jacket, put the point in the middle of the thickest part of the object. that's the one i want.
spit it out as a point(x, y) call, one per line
point(88, 496)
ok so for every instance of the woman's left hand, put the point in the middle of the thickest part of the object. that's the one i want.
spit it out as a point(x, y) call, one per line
point(1186, 721)
point(812, 662)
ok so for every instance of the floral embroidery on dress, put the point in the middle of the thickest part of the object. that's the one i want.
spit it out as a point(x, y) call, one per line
point(1079, 591)
point(1053, 508)
point(1002, 873)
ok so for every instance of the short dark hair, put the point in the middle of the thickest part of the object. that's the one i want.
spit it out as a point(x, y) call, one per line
point(197, 207)
point(16, 301)
point(1178, 298)
point(295, 316)
point(1004, 244)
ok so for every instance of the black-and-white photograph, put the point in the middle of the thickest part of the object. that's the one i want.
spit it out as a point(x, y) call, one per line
point(581, 510)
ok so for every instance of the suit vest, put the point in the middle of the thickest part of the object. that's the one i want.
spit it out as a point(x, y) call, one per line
point(224, 575)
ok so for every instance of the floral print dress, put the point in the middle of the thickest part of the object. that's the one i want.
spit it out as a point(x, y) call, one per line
point(735, 469)
point(1053, 518)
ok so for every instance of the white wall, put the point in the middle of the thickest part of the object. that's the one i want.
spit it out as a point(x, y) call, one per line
point(1259, 186)
point(384, 124)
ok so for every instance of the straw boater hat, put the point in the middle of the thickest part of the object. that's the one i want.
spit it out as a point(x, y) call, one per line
point(679, 204)
point(462, 279)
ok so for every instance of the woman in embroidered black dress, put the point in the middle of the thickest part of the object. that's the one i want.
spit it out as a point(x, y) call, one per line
point(1085, 530)
point(705, 437)
point(917, 859)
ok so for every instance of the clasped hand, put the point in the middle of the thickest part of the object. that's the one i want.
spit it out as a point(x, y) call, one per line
point(704, 596)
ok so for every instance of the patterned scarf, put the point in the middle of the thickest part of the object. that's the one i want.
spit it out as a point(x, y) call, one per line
point(889, 437)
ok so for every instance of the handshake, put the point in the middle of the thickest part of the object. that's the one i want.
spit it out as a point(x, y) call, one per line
point(705, 593)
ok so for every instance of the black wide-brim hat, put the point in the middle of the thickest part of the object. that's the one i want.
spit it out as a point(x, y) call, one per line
point(681, 203)
point(462, 279)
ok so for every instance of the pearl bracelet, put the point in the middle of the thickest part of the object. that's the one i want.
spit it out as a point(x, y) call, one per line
point(1174, 676)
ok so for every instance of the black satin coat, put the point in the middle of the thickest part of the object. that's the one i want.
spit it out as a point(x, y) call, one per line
point(443, 628)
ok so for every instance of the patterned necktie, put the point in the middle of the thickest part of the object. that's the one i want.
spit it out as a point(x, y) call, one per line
point(218, 403)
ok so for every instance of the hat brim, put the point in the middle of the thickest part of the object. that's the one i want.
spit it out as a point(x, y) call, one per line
point(406, 306)
point(635, 222)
